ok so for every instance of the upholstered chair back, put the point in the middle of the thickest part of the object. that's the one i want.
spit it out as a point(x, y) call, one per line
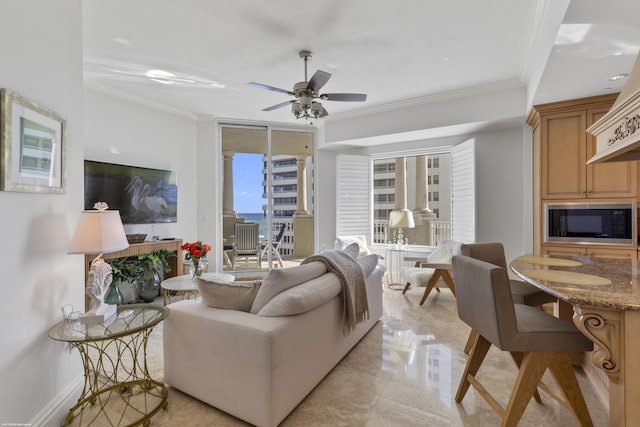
point(484, 301)
point(493, 253)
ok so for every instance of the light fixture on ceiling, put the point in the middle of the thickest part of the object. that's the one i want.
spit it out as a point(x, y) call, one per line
point(307, 92)
point(618, 77)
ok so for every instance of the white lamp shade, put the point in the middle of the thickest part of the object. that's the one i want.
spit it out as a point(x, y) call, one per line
point(401, 218)
point(98, 232)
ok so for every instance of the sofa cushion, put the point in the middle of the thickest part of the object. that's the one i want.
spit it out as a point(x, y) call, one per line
point(230, 295)
point(368, 263)
point(278, 280)
point(304, 297)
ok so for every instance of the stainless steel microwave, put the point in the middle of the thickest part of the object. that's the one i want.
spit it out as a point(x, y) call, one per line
point(610, 223)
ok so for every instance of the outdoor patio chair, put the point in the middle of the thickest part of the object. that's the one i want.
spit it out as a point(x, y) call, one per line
point(246, 242)
point(274, 245)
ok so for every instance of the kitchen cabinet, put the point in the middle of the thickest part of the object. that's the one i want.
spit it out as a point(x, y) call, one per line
point(565, 147)
point(592, 251)
point(561, 147)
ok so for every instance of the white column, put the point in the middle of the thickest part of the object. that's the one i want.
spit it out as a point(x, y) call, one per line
point(401, 183)
point(227, 190)
point(422, 185)
point(301, 193)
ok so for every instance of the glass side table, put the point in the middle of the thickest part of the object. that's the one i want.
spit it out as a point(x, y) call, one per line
point(118, 389)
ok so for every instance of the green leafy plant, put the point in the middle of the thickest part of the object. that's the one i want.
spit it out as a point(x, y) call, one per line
point(132, 268)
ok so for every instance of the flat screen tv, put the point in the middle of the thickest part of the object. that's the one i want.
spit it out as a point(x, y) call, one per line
point(142, 195)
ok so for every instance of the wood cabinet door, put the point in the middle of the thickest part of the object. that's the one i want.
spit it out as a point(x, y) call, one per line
point(563, 159)
point(605, 180)
point(612, 253)
point(563, 251)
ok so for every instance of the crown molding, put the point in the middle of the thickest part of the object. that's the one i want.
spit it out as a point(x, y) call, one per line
point(428, 99)
point(139, 100)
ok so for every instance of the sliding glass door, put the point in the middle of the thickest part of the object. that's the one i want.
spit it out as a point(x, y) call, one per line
point(268, 181)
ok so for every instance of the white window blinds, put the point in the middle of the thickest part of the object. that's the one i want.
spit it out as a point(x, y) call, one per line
point(463, 192)
point(353, 210)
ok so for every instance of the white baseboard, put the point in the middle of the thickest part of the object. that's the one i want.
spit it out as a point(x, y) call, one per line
point(53, 414)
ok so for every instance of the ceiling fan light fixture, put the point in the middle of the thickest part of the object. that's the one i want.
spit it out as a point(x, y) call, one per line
point(306, 92)
point(316, 109)
point(296, 109)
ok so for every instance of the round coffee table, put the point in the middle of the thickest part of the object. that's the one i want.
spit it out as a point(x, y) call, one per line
point(185, 286)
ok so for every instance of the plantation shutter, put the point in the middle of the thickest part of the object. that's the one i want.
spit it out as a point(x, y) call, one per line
point(353, 210)
point(463, 192)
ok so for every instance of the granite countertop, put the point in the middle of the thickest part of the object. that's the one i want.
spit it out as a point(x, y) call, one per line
point(597, 282)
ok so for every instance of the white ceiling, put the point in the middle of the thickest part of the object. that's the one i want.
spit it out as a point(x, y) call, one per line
point(391, 50)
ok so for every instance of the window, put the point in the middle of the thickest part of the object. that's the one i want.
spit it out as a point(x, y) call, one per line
point(452, 202)
point(385, 197)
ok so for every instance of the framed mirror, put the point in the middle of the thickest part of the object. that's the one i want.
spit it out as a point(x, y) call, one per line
point(32, 146)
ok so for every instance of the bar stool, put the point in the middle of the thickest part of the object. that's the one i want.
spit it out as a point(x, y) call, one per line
point(521, 292)
point(536, 338)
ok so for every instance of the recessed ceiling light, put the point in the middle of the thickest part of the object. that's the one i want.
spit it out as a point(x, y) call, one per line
point(618, 77)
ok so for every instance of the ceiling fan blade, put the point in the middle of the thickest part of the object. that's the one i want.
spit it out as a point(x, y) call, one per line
point(271, 88)
point(349, 97)
point(319, 79)
point(275, 107)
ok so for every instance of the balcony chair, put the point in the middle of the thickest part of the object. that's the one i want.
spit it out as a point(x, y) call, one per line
point(274, 245)
point(246, 242)
point(521, 292)
point(535, 339)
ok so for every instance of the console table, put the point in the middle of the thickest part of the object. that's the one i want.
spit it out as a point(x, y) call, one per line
point(143, 248)
point(118, 389)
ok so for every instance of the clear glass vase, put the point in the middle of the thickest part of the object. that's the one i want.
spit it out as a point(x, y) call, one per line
point(197, 267)
point(113, 295)
point(149, 285)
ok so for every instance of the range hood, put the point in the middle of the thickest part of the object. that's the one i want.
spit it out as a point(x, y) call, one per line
point(618, 132)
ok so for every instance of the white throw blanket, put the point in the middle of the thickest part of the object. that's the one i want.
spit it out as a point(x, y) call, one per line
point(354, 291)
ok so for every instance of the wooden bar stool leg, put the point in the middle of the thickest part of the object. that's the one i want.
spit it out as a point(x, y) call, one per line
point(533, 366)
point(562, 370)
point(480, 348)
point(517, 357)
point(472, 337)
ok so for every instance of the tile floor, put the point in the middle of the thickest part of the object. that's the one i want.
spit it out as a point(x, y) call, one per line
point(405, 372)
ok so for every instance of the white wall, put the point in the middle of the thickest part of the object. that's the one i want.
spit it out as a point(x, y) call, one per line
point(41, 45)
point(123, 132)
point(503, 191)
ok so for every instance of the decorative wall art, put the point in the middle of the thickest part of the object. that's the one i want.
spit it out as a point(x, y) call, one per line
point(142, 195)
point(32, 146)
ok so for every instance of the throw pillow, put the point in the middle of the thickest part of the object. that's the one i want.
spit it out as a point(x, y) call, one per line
point(304, 297)
point(454, 245)
point(278, 280)
point(442, 255)
point(353, 249)
point(368, 263)
point(230, 295)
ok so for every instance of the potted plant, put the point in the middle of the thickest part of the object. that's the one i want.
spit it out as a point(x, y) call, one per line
point(139, 276)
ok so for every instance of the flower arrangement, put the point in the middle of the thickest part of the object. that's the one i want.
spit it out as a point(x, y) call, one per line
point(195, 252)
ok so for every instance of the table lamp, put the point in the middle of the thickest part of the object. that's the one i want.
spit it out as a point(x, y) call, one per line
point(401, 218)
point(98, 232)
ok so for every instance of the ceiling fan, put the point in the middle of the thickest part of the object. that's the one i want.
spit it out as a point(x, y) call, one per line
point(307, 92)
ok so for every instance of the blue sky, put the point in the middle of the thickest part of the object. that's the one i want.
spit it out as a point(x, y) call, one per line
point(247, 183)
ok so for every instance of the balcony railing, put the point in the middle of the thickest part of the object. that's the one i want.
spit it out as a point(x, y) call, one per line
point(438, 230)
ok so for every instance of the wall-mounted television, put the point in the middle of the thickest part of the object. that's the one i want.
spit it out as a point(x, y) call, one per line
point(142, 195)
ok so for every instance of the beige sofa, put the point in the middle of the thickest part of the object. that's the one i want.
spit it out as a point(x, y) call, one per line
point(259, 366)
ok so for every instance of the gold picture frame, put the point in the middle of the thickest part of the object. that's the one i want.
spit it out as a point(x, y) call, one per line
point(32, 146)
